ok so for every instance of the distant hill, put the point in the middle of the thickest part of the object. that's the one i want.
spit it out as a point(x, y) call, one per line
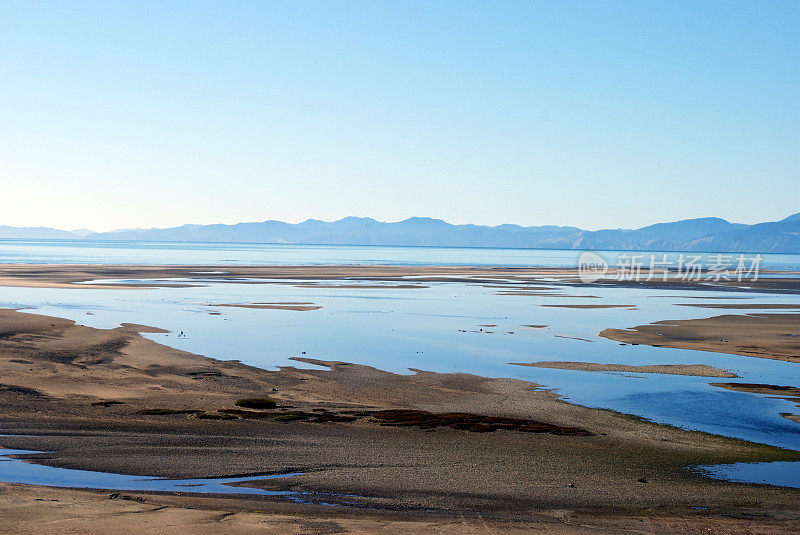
point(35, 233)
point(780, 237)
point(704, 234)
point(659, 237)
point(82, 232)
point(352, 231)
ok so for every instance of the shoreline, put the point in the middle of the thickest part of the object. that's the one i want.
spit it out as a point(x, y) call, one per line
point(513, 278)
point(91, 369)
point(41, 510)
point(112, 400)
point(689, 370)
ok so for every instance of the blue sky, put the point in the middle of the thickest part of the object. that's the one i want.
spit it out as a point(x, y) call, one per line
point(594, 114)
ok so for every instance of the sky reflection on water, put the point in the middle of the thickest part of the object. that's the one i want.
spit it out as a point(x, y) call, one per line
point(438, 329)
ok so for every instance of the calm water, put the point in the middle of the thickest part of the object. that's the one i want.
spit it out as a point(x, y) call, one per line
point(19, 471)
point(113, 252)
point(785, 474)
point(437, 328)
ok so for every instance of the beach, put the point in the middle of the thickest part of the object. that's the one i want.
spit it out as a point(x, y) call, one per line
point(418, 452)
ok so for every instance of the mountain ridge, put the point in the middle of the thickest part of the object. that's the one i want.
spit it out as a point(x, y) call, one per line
point(698, 234)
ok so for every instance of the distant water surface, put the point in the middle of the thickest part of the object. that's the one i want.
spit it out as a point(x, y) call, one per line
point(197, 253)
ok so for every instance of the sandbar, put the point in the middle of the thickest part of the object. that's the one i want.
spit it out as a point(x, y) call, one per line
point(695, 370)
point(764, 335)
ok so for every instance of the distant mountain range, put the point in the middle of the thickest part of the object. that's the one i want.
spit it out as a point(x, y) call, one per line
point(710, 234)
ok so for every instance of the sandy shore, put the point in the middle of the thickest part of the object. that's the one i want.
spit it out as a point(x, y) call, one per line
point(737, 306)
point(420, 453)
point(404, 277)
point(769, 336)
point(513, 279)
point(44, 511)
point(696, 370)
point(111, 400)
point(269, 306)
point(589, 307)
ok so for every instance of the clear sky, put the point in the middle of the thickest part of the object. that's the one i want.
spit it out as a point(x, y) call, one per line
point(596, 114)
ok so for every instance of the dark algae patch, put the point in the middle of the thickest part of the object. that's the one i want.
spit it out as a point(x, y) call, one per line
point(461, 421)
point(465, 421)
point(256, 403)
point(166, 412)
point(318, 415)
point(107, 403)
point(22, 390)
point(214, 416)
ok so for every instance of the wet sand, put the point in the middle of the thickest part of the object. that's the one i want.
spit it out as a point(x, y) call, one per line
point(422, 453)
point(80, 392)
point(69, 276)
point(514, 278)
point(44, 511)
point(736, 306)
point(269, 306)
point(767, 335)
point(695, 370)
point(548, 294)
point(589, 307)
point(363, 286)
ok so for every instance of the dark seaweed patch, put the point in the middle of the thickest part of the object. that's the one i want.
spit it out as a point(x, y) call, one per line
point(24, 390)
point(164, 412)
point(214, 416)
point(256, 403)
point(107, 403)
point(465, 421)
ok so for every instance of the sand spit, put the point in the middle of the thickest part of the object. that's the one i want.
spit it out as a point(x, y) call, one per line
point(589, 306)
point(765, 335)
point(705, 297)
point(66, 275)
point(548, 294)
point(695, 370)
point(574, 338)
point(363, 286)
point(736, 306)
point(270, 306)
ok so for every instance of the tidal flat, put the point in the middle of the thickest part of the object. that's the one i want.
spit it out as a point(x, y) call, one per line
point(396, 396)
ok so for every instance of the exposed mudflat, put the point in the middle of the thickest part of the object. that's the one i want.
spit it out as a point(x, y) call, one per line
point(764, 335)
point(112, 401)
point(698, 370)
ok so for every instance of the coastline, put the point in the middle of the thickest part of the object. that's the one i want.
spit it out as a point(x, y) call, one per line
point(511, 278)
point(689, 370)
point(61, 394)
point(111, 400)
